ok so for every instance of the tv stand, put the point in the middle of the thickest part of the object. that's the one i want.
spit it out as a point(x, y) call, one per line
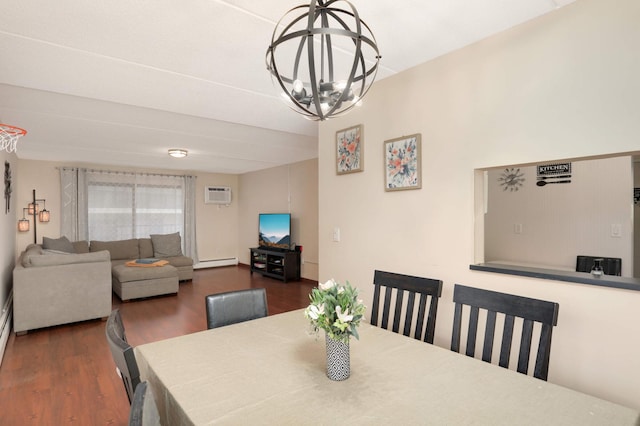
point(282, 265)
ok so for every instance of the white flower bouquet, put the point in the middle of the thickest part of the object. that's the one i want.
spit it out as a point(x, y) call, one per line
point(336, 309)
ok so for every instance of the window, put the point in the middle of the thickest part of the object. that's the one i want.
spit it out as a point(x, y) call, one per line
point(122, 206)
point(109, 206)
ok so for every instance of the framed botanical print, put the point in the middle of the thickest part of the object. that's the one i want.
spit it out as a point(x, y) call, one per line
point(349, 150)
point(402, 163)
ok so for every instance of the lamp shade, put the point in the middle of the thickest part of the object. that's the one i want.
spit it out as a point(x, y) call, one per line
point(33, 208)
point(43, 216)
point(23, 225)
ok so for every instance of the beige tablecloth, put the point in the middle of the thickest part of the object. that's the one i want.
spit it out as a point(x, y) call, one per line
point(271, 371)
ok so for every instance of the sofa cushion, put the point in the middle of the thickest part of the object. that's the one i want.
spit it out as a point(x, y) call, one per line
point(145, 247)
point(179, 261)
point(166, 245)
point(81, 246)
point(67, 259)
point(122, 249)
point(32, 250)
point(58, 244)
point(124, 273)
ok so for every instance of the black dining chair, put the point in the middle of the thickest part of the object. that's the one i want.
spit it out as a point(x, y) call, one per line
point(400, 284)
point(235, 306)
point(610, 265)
point(511, 306)
point(122, 353)
point(144, 411)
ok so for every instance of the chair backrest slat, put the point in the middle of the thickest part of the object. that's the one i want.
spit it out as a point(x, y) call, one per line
point(457, 328)
point(525, 346)
point(422, 307)
point(544, 351)
point(507, 339)
point(489, 335)
point(472, 331)
point(375, 306)
point(412, 285)
point(511, 306)
point(398, 310)
point(410, 302)
point(387, 306)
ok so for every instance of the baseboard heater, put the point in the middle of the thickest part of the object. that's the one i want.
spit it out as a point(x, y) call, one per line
point(213, 263)
point(5, 324)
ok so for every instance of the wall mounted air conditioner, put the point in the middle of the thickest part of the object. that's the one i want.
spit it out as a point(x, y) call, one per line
point(217, 195)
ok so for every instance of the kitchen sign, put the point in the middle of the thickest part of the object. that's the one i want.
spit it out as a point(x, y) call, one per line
point(554, 169)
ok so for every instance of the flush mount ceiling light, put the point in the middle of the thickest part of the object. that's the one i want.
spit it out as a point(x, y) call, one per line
point(323, 58)
point(178, 153)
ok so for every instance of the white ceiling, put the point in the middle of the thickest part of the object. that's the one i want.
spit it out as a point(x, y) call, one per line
point(120, 82)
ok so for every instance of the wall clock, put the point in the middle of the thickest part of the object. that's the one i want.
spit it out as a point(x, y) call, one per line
point(511, 179)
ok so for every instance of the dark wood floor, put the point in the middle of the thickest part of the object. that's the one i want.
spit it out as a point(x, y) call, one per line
point(65, 374)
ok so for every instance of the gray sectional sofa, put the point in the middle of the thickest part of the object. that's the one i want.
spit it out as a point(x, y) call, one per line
point(55, 288)
point(61, 282)
point(131, 282)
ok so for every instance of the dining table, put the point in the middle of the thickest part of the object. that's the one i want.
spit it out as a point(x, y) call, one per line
point(272, 370)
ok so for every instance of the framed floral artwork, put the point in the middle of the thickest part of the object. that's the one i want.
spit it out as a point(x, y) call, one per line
point(349, 150)
point(402, 163)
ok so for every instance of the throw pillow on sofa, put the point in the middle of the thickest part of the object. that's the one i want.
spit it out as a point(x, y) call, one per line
point(166, 245)
point(58, 244)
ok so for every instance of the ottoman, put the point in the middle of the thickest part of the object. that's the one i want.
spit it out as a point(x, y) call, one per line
point(131, 282)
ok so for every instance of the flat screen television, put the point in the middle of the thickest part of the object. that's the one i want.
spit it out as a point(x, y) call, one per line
point(274, 230)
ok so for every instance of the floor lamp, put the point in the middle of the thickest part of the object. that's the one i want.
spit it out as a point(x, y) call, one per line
point(33, 209)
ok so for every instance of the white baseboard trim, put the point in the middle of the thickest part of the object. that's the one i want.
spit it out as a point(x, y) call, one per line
point(215, 263)
point(5, 324)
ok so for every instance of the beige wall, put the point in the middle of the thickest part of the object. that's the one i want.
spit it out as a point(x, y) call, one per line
point(216, 227)
point(286, 189)
point(562, 86)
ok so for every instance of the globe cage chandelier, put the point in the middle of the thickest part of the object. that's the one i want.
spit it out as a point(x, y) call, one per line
point(323, 84)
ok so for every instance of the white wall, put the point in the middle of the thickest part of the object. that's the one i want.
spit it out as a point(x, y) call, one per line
point(557, 222)
point(562, 86)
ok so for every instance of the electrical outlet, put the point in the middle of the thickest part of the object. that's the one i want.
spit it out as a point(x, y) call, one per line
point(517, 228)
point(616, 230)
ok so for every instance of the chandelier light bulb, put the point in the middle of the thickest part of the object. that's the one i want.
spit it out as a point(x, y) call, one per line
point(298, 87)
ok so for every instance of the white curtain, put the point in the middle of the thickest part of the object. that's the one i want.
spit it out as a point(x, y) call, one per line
point(69, 222)
point(107, 205)
point(190, 246)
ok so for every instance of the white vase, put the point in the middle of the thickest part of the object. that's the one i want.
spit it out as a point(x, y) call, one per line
point(338, 359)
